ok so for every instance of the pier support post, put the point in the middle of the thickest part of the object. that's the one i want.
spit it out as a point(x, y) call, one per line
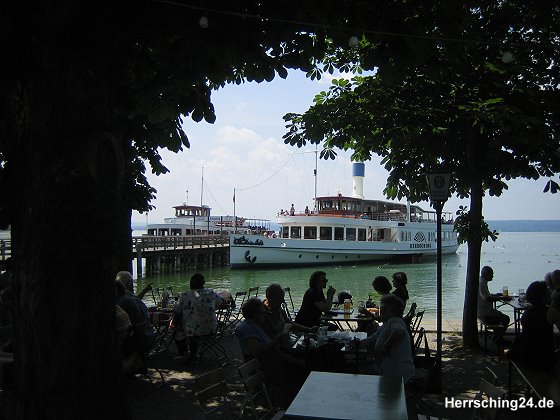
point(139, 260)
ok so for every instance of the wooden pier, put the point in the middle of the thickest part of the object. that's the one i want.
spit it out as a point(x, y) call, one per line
point(164, 254)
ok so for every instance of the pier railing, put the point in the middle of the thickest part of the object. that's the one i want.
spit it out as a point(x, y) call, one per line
point(175, 242)
point(5, 248)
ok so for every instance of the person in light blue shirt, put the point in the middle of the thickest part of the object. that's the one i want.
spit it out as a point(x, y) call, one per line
point(391, 343)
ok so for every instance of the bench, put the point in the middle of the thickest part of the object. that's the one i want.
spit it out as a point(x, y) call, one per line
point(541, 383)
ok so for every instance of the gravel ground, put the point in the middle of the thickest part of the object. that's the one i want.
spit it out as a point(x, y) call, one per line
point(176, 399)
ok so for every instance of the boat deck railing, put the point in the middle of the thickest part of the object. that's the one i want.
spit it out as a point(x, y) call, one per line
point(381, 216)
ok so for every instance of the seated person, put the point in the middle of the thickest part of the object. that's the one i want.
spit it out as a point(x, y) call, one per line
point(279, 368)
point(553, 313)
point(486, 311)
point(314, 303)
point(535, 346)
point(125, 277)
point(197, 309)
point(275, 319)
point(391, 343)
point(382, 286)
point(399, 282)
point(143, 331)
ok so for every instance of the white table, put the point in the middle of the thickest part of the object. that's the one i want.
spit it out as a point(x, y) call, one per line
point(328, 395)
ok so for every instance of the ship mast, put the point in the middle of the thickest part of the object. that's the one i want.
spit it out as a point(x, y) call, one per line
point(315, 209)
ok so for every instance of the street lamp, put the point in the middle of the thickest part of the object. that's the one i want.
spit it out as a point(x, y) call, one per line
point(438, 184)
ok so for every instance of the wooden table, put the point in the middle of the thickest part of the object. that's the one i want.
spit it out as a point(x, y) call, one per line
point(328, 395)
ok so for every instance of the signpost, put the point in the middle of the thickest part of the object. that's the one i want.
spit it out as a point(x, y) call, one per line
point(439, 192)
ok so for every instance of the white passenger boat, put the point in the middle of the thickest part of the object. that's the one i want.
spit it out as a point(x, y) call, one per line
point(196, 220)
point(343, 229)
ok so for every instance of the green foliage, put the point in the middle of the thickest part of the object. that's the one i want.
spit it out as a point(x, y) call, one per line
point(465, 229)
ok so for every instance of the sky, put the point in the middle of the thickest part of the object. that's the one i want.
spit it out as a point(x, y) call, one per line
point(244, 150)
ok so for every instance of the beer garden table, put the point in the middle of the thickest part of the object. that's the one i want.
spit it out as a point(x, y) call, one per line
point(328, 395)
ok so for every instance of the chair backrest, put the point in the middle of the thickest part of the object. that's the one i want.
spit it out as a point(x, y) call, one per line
point(416, 322)
point(417, 341)
point(290, 309)
point(212, 386)
point(239, 299)
point(251, 290)
point(254, 383)
point(490, 392)
point(410, 314)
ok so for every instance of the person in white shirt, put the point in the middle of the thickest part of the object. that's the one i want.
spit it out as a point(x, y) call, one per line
point(485, 310)
point(391, 343)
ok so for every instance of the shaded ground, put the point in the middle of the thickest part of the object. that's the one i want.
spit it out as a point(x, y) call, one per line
point(462, 370)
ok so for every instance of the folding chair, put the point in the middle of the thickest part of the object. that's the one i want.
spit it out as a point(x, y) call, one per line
point(211, 342)
point(235, 318)
point(251, 290)
point(164, 328)
point(212, 386)
point(411, 312)
point(292, 314)
point(223, 314)
point(420, 383)
point(255, 389)
point(417, 342)
point(417, 319)
point(490, 391)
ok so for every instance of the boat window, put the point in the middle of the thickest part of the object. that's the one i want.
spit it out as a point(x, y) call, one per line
point(296, 232)
point(338, 233)
point(325, 232)
point(350, 234)
point(361, 234)
point(285, 232)
point(310, 232)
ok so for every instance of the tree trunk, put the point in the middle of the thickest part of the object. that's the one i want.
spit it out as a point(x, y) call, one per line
point(474, 245)
point(70, 235)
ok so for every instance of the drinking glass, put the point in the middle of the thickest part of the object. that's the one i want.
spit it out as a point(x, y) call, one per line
point(505, 291)
point(522, 298)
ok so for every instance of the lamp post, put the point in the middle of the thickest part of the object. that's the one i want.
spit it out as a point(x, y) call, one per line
point(438, 184)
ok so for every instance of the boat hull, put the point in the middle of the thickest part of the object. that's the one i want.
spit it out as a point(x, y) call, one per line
point(254, 251)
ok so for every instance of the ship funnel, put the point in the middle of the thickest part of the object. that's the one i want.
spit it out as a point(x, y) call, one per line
point(358, 172)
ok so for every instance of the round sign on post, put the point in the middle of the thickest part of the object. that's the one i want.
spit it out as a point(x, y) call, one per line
point(439, 186)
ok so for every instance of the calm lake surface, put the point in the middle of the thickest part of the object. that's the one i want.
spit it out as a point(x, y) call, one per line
point(518, 258)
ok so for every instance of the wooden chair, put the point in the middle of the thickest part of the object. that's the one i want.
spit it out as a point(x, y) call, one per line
point(212, 387)
point(256, 391)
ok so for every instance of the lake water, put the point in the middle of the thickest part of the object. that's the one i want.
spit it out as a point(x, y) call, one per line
point(518, 258)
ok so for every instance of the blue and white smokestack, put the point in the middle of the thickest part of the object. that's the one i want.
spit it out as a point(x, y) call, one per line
point(358, 173)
